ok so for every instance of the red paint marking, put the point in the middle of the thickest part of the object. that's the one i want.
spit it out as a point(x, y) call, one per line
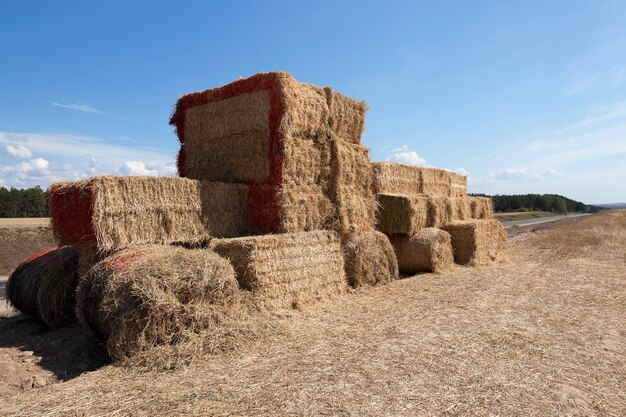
point(264, 208)
point(122, 262)
point(38, 255)
point(259, 82)
point(71, 211)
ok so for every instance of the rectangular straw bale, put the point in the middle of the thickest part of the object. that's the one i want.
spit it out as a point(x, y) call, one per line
point(477, 242)
point(402, 214)
point(458, 185)
point(395, 178)
point(115, 212)
point(440, 211)
point(435, 181)
point(287, 270)
point(481, 207)
point(352, 188)
point(347, 116)
point(429, 249)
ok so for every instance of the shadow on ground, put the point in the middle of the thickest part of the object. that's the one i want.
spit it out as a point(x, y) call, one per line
point(66, 353)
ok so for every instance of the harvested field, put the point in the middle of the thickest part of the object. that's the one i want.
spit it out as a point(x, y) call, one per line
point(19, 242)
point(543, 333)
point(20, 222)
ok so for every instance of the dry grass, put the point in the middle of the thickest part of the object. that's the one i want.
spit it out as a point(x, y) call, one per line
point(542, 334)
point(18, 243)
point(25, 222)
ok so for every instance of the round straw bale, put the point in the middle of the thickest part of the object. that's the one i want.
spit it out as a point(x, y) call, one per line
point(44, 285)
point(157, 295)
point(369, 259)
point(428, 249)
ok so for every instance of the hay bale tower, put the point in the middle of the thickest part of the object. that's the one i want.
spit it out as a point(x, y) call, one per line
point(293, 143)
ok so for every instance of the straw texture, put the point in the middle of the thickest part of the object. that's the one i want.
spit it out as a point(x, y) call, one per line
point(44, 286)
point(429, 249)
point(286, 271)
point(370, 259)
point(296, 145)
point(396, 178)
point(154, 295)
point(477, 242)
point(117, 212)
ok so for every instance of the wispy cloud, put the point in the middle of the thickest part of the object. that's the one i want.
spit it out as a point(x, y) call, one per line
point(562, 160)
point(86, 108)
point(601, 68)
point(18, 151)
point(73, 156)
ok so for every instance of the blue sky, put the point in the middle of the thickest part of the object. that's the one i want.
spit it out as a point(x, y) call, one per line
point(523, 96)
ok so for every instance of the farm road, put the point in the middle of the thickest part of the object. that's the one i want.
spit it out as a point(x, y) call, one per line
point(541, 220)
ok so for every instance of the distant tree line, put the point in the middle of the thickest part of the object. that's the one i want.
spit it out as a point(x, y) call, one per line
point(538, 202)
point(27, 202)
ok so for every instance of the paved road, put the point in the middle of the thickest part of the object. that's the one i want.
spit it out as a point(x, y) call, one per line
point(3, 283)
point(541, 220)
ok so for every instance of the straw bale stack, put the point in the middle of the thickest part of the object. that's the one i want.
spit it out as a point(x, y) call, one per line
point(115, 212)
point(429, 249)
point(458, 185)
point(288, 270)
point(477, 242)
point(43, 286)
point(277, 135)
point(370, 259)
point(156, 295)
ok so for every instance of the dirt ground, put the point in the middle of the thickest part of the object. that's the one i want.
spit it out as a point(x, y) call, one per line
point(21, 238)
point(541, 333)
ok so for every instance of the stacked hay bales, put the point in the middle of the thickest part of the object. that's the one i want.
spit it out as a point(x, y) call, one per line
point(43, 286)
point(412, 199)
point(296, 145)
point(289, 270)
point(115, 212)
point(477, 242)
point(155, 295)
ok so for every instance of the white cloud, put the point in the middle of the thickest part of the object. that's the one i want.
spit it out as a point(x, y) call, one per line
point(462, 171)
point(405, 155)
point(86, 108)
point(40, 164)
point(137, 168)
point(602, 68)
point(18, 151)
point(69, 156)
